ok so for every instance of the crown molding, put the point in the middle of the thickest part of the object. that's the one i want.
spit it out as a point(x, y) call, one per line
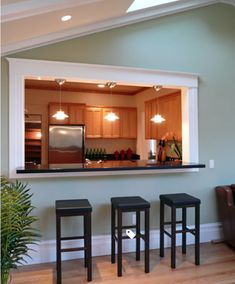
point(129, 18)
point(231, 2)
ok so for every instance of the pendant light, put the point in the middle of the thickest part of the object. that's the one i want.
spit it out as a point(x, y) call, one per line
point(111, 116)
point(60, 114)
point(157, 118)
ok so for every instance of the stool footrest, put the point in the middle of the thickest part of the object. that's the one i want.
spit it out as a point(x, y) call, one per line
point(72, 238)
point(169, 223)
point(192, 231)
point(126, 227)
point(126, 237)
point(73, 249)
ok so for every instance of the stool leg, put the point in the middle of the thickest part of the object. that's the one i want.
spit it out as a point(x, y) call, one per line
point(58, 250)
point(113, 220)
point(146, 223)
point(162, 229)
point(88, 242)
point(85, 240)
point(173, 235)
point(119, 229)
point(137, 235)
point(184, 230)
point(197, 234)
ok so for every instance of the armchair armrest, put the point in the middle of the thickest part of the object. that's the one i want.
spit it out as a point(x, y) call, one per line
point(225, 195)
point(226, 206)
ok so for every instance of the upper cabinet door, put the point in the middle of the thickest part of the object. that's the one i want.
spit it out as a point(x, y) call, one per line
point(93, 122)
point(111, 129)
point(128, 123)
point(76, 113)
point(150, 127)
point(169, 107)
point(53, 108)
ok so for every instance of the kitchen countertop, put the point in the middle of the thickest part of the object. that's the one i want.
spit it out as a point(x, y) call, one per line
point(125, 165)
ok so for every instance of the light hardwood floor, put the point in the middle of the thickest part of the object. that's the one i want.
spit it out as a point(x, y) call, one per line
point(217, 266)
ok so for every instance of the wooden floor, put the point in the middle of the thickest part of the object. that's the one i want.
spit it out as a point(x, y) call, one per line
point(217, 266)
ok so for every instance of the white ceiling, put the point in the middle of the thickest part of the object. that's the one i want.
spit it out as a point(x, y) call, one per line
point(32, 23)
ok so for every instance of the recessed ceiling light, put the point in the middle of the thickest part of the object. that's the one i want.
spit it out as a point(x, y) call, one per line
point(66, 18)
point(101, 85)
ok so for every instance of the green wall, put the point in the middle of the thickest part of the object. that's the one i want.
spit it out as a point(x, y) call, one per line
point(201, 41)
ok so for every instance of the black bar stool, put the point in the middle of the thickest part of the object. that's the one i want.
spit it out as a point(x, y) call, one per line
point(129, 204)
point(74, 207)
point(184, 201)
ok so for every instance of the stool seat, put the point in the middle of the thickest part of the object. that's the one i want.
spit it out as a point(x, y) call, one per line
point(72, 206)
point(179, 199)
point(130, 202)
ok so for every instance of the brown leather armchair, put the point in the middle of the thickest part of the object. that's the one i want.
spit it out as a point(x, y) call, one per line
point(226, 206)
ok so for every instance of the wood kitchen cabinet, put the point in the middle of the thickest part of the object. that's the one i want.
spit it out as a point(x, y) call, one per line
point(94, 119)
point(93, 122)
point(169, 107)
point(111, 129)
point(98, 127)
point(76, 113)
point(150, 127)
point(128, 123)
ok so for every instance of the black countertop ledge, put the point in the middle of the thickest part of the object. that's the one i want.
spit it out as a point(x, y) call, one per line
point(97, 166)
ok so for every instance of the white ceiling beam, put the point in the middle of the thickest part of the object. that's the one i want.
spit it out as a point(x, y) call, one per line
point(31, 8)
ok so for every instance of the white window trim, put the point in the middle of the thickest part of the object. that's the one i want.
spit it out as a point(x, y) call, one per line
point(19, 69)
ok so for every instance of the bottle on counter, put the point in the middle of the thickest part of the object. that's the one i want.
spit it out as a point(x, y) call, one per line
point(162, 151)
point(163, 158)
point(104, 154)
point(87, 153)
point(122, 154)
point(91, 155)
point(95, 154)
point(116, 154)
point(99, 155)
point(159, 155)
point(129, 154)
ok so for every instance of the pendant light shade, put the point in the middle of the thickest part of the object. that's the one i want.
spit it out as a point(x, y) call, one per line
point(157, 118)
point(111, 116)
point(60, 114)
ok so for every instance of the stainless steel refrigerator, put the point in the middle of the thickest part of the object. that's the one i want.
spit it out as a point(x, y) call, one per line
point(66, 144)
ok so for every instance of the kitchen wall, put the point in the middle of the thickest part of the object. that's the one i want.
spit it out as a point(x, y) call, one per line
point(36, 101)
point(200, 41)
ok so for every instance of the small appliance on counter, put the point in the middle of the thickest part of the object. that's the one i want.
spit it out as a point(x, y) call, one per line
point(66, 144)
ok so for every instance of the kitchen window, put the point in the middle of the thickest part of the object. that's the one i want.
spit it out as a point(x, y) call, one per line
point(20, 69)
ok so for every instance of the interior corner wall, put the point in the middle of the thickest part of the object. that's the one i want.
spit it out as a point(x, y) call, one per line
point(200, 41)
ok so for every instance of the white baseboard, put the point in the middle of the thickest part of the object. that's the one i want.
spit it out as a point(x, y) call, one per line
point(46, 250)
